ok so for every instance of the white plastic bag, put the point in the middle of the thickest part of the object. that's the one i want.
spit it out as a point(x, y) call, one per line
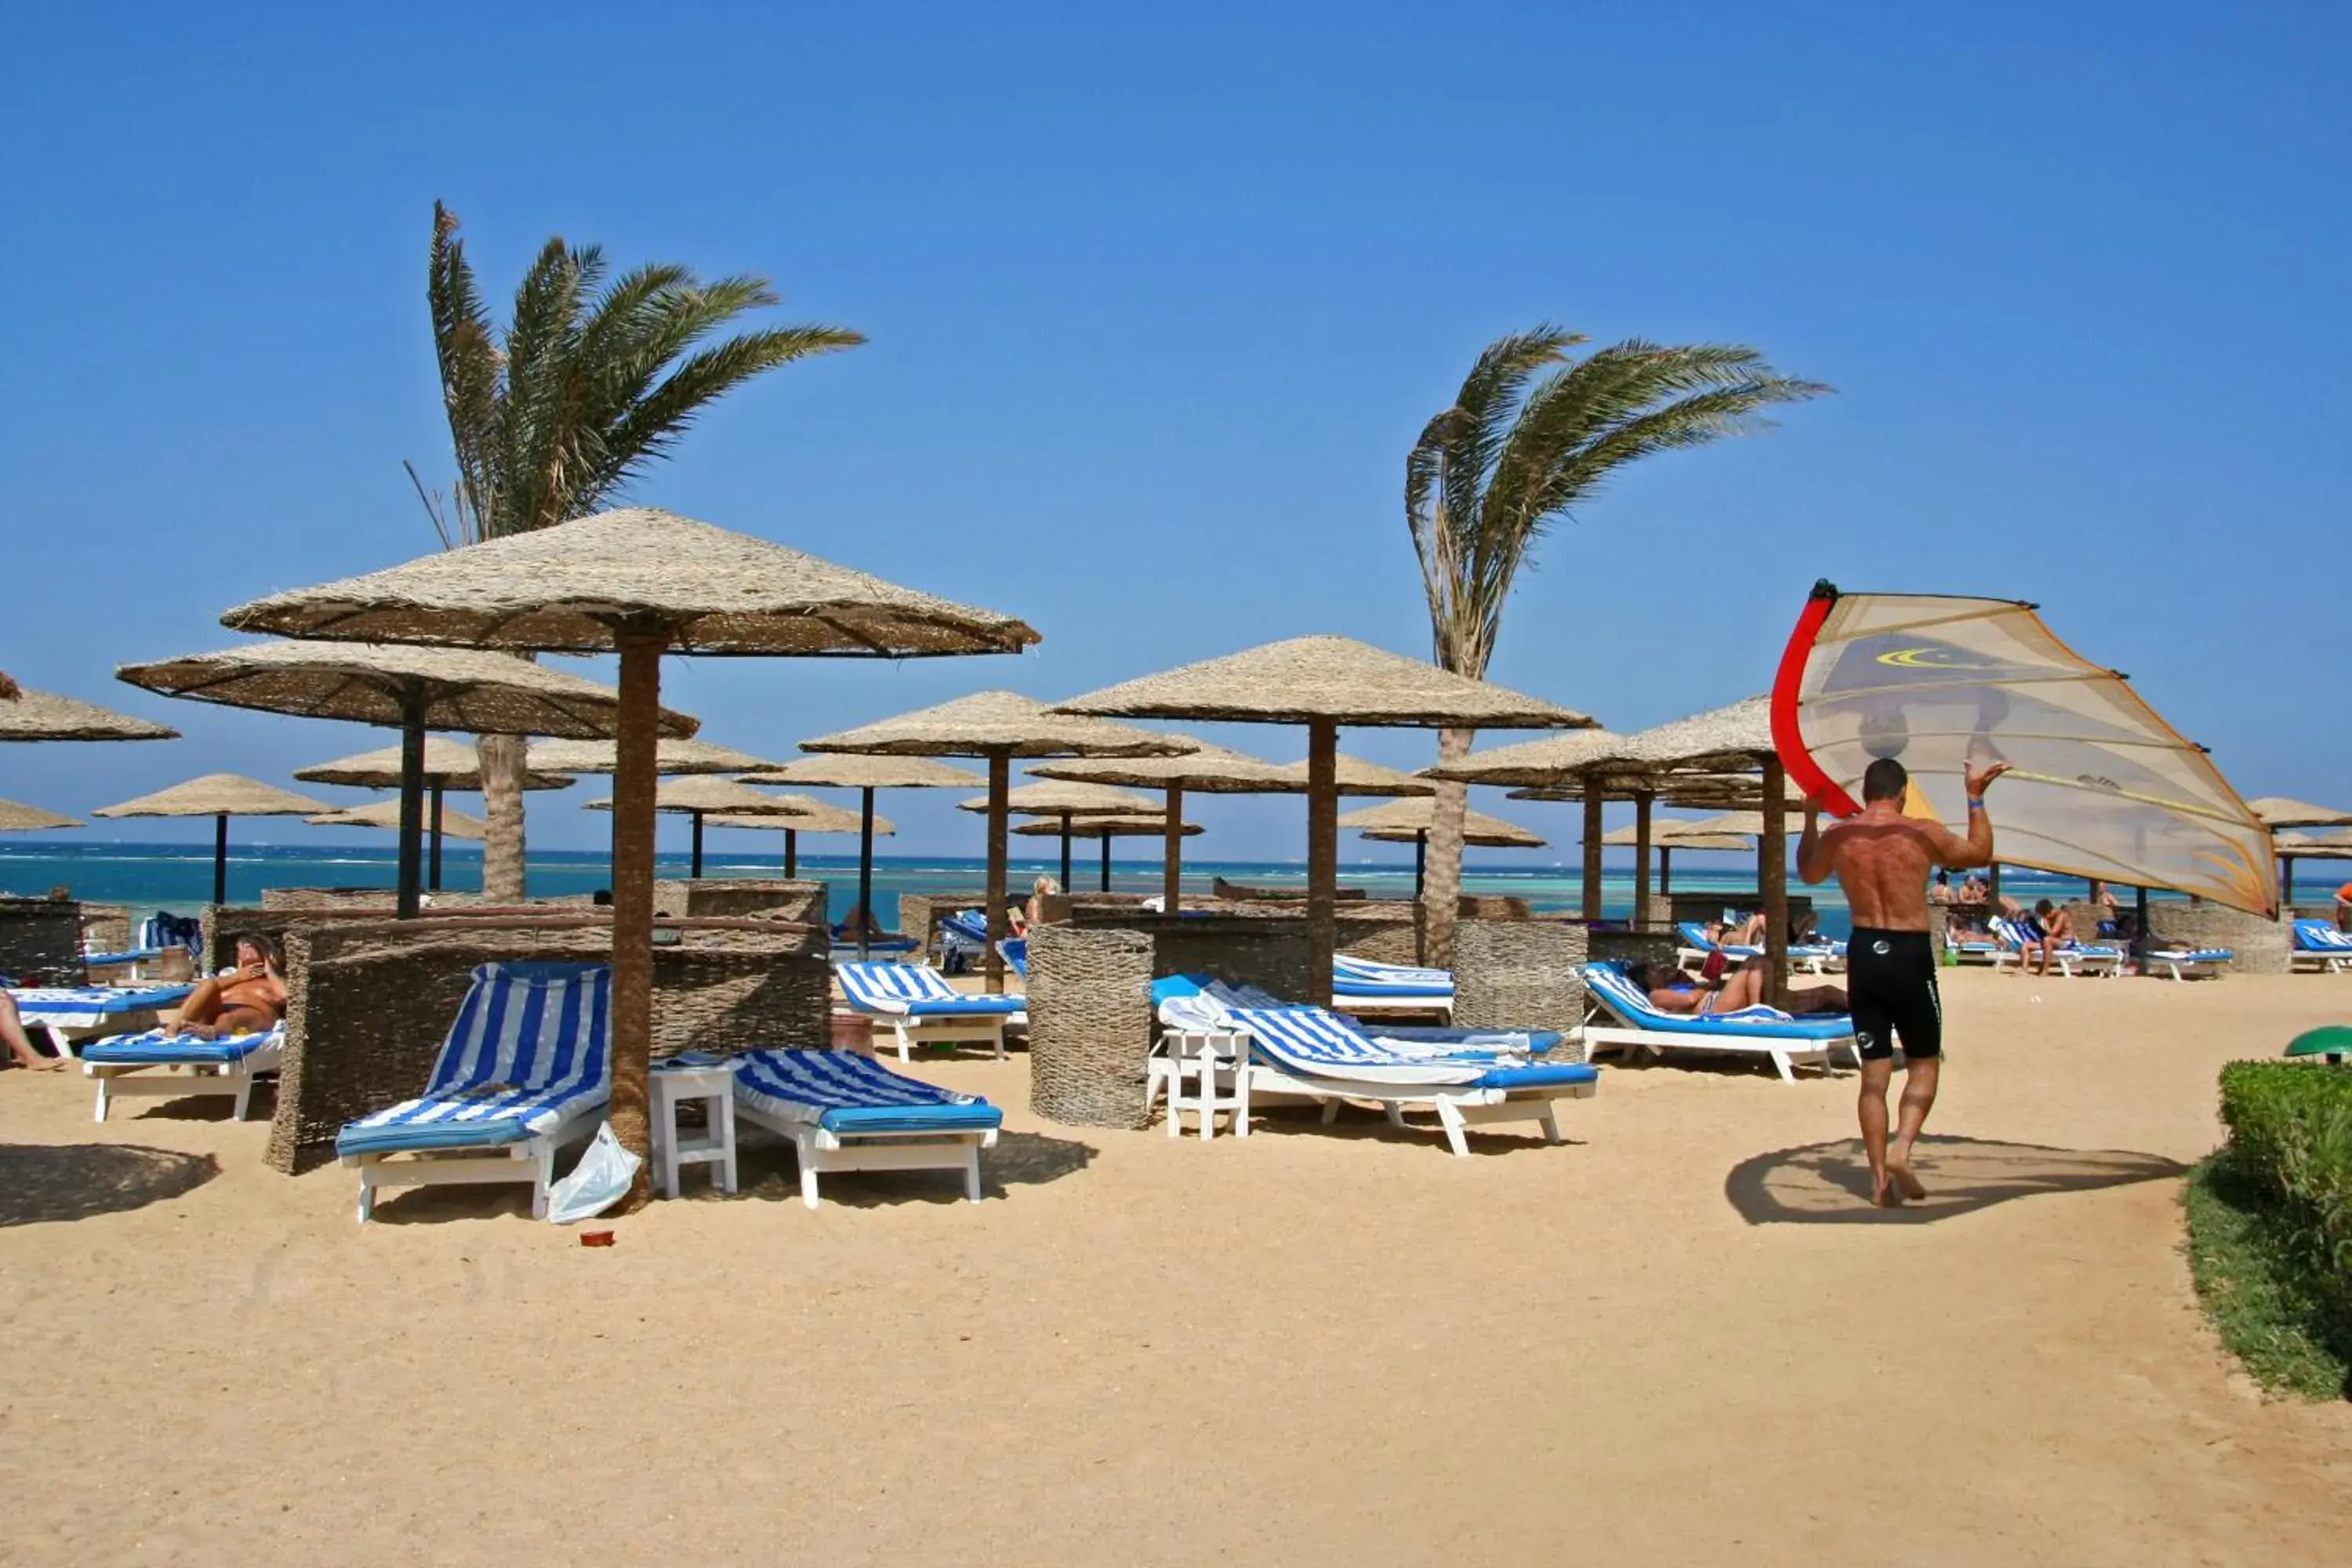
point(599, 1181)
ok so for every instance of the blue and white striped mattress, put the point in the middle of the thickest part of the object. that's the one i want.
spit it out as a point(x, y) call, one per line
point(843, 1091)
point(913, 991)
point(91, 1006)
point(2318, 936)
point(1313, 1043)
point(1616, 991)
point(1366, 977)
point(163, 1047)
point(529, 1050)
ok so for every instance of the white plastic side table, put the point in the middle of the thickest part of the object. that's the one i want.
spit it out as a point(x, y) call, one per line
point(678, 1082)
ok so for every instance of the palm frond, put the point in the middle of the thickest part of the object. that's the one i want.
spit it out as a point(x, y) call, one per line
point(649, 429)
point(472, 368)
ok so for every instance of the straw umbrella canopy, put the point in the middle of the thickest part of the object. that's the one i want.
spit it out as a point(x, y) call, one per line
point(1064, 800)
point(672, 759)
point(700, 795)
point(447, 767)
point(808, 816)
point(17, 819)
point(1408, 821)
point(219, 796)
point(639, 583)
point(2279, 812)
point(1667, 836)
point(867, 774)
point(1104, 829)
point(999, 726)
point(387, 813)
point(413, 689)
point(1325, 683)
point(44, 716)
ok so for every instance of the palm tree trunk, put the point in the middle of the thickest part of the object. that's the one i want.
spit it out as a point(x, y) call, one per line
point(1440, 896)
point(502, 759)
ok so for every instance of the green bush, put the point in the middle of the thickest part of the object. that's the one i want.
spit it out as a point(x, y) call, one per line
point(2291, 1144)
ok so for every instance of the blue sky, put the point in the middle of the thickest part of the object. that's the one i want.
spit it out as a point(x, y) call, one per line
point(1158, 300)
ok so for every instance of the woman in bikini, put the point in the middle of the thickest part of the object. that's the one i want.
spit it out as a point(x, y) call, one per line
point(246, 1000)
point(1672, 991)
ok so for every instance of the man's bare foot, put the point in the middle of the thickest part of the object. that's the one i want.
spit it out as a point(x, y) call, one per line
point(1882, 1194)
point(1905, 1183)
point(48, 1064)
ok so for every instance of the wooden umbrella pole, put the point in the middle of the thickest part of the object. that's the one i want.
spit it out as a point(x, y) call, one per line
point(433, 865)
point(2286, 883)
point(1591, 850)
point(694, 859)
point(220, 857)
point(633, 785)
point(1666, 872)
point(866, 870)
point(1641, 802)
point(1322, 854)
point(792, 853)
point(1992, 884)
point(411, 805)
point(1772, 871)
point(1066, 851)
point(999, 784)
point(1419, 863)
point(1172, 853)
point(1105, 860)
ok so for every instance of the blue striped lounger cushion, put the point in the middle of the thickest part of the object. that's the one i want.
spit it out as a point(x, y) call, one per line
point(1614, 986)
point(1468, 1042)
point(162, 1047)
point(2318, 936)
point(909, 988)
point(843, 1091)
point(528, 1052)
point(1314, 1043)
point(1370, 977)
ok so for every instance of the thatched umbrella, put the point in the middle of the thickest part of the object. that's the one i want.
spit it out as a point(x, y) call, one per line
point(867, 774)
point(387, 813)
point(1062, 800)
point(219, 796)
point(1408, 821)
point(671, 760)
point(2293, 846)
point(1107, 829)
point(447, 767)
point(2278, 812)
point(1586, 765)
point(16, 819)
point(413, 689)
point(1324, 682)
point(808, 816)
point(638, 582)
point(44, 716)
point(701, 795)
point(1669, 834)
point(999, 726)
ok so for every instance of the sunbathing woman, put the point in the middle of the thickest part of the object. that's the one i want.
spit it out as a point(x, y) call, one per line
point(1672, 991)
point(245, 1000)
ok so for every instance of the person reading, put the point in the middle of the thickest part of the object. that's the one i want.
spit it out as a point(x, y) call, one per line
point(245, 1000)
point(1882, 861)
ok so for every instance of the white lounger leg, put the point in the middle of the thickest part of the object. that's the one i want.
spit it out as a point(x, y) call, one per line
point(1788, 1072)
point(1551, 1123)
point(805, 1154)
point(367, 1194)
point(972, 1173)
point(102, 1098)
point(1449, 1116)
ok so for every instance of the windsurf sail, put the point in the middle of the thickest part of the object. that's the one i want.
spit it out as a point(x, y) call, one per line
point(2100, 786)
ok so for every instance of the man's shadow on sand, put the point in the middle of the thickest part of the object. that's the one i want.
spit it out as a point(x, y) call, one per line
point(1829, 1184)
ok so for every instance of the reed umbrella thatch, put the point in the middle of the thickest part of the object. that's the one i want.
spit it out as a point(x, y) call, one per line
point(999, 726)
point(1104, 830)
point(219, 796)
point(672, 759)
point(447, 767)
point(809, 815)
point(387, 813)
point(2277, 812)
point(1408, 821)
point(17, 819)
point(639, 583)
point(1062, 800)
point(1668, 835)
point(700, 796)
point(411, 688)
point(867, 774)
point(1214, 770)
point(1324, 683)
point(44, 716)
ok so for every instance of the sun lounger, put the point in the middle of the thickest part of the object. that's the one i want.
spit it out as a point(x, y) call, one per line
point(963, 937)
point(2071, 957)
point(1610, 993)
point(525, 1070)
point(845, 1112)
point(891, 946)
point(1318, 1055)
point(1809, 958)
point(921, 1006)
point(2190, 962)
point(1367, 986)
point(2321, 948)
point(1016, 952)
point(163, 1064)
point(66, 1014)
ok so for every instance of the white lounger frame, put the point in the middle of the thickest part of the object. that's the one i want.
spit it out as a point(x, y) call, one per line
point(1799, 962)
point(2317, 961)
point(913, 1030)
point(1603, 1028)
point(531, 1160)
point(183, 1080)
point(1384, 1006)
point(1459, 1107)
point(819, 1150)
point(2178, 965)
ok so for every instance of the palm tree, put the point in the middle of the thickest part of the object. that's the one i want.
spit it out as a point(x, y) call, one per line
point(591, 383)
point(1532, 437)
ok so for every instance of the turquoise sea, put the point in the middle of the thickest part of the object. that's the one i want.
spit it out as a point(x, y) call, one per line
point(178, 877)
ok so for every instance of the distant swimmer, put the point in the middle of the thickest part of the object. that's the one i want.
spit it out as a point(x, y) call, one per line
point(1882, 861)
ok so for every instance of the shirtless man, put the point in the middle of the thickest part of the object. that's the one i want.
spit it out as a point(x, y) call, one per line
point(247, 1001)
point(1883, 859)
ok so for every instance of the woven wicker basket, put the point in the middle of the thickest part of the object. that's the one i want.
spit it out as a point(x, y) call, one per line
point(2263, 947)
point(1089, 1025)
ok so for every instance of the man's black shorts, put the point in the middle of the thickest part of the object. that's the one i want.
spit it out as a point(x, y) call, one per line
point(1891, 978)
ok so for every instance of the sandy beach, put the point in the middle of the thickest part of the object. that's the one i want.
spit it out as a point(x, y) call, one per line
point(1682, 1338)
